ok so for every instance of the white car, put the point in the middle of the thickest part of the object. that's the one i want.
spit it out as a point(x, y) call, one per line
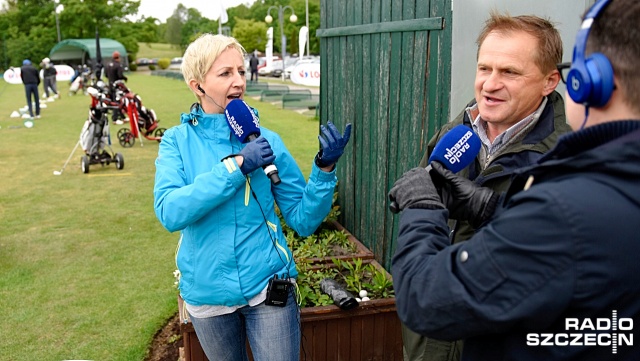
point(305, 60)
point(267, 69)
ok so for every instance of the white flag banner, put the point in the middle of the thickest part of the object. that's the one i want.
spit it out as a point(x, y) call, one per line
point(269, 48)
point(302, 40)
point(223, 14)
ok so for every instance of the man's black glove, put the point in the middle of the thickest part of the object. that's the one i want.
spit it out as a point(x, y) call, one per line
point(415, 190)
point(465, 200)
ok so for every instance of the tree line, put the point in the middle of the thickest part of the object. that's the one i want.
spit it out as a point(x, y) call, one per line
point(29, 31)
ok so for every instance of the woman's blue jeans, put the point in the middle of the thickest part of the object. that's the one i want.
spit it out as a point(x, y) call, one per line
point(273, 332)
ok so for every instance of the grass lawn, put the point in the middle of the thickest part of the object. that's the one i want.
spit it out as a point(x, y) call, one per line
point(85, 267)
point(158, 50)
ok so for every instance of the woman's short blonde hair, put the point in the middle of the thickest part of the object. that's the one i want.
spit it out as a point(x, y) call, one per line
point(203, 52)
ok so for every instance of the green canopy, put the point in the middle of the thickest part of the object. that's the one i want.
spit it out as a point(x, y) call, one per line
point(85, 49)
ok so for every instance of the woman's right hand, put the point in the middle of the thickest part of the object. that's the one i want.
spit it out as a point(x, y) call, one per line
point(254, 155)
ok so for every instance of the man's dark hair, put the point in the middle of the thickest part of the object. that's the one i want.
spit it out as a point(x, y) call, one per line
point(616, 34)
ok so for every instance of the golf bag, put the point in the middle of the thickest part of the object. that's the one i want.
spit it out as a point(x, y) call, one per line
point(143, 121)
point(94, 138)
point(95, 132)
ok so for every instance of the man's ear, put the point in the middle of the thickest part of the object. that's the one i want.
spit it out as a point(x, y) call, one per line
point(551, 82)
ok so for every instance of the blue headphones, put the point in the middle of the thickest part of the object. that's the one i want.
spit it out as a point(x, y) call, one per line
point(590, 80)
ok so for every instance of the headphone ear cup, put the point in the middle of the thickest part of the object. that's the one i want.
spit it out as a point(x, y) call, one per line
point(578, 82)
point(601, 74)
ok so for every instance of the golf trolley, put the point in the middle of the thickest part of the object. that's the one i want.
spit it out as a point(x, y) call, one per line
point(143, 121)
point(81, 81)
point(95, 133)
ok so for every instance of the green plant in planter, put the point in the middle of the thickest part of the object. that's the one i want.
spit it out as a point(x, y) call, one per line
point(325, 241)
point(309, 285)
point(329, 242)
point(364, 276)
point(355, 274)
point(380, 286)
point(352, 273)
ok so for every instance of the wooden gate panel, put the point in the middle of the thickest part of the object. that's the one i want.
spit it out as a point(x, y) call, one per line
point(385, 69)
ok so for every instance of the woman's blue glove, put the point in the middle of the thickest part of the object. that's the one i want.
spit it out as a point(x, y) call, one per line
point(332, 144)
point(256, 154)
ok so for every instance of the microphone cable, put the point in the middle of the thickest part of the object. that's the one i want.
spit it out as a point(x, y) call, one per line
point(296, 293)
point(214, 102)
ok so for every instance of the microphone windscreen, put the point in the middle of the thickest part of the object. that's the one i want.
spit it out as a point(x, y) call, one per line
point(456, 149)
point(241, 119)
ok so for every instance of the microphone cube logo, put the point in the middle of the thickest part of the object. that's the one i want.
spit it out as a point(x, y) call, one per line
point(255, 119)
point(237, 128)
point(613, 332)
point(456, 152)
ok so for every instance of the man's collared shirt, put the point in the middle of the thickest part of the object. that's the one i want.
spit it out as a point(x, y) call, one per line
point(480, 126)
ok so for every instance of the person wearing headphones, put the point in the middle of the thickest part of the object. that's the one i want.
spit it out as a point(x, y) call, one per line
point(549, 275)
point(211, 188)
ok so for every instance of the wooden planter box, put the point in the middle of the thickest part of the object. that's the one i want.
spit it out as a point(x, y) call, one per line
point(361, 252)
point(369, 332)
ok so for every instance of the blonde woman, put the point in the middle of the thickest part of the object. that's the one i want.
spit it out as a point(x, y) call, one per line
point(210, 187)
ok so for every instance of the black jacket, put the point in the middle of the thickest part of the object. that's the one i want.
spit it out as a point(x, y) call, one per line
point(50, 71)
point(253, 63)
point(563, 251)
point(115, 71)
point(29, 74)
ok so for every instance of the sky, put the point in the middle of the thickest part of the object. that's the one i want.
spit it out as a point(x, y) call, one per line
point(162, 9)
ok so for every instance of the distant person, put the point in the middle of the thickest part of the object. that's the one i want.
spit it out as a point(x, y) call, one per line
point(115, 72)
point(49, 74)
point(31, 80)
point(253, 65)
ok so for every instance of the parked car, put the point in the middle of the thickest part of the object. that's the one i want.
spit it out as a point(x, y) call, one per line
point(263, 70)
point(267, 69)
point(276, 69)
point(143, 61)
point(304, 60)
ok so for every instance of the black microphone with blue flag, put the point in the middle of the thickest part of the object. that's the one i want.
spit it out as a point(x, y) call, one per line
point(245, 125)
point(455, 150)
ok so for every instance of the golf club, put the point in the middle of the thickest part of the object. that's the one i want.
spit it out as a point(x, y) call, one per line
point(56, 172)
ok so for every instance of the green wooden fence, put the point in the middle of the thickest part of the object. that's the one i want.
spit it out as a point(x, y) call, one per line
point(385, 69)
